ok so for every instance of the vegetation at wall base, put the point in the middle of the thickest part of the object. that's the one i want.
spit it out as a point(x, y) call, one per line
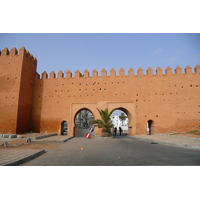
point(104, 123)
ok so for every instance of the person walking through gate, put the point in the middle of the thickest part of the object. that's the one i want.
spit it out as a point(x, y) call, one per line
point(112, 130)
point(120, 131)
point(115, 130)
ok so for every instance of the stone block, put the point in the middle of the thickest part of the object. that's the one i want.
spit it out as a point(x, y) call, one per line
point(6, 135)
point(12, 136)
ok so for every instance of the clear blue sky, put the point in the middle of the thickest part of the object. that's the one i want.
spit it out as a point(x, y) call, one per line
point(80, 51)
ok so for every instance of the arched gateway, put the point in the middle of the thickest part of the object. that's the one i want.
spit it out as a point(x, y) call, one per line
point(43, 103)
point(81, 121)
point(128, 108)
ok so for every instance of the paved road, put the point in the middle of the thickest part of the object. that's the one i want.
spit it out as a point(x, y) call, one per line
point(120, 151)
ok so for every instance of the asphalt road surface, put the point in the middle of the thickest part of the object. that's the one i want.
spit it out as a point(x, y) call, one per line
point(120, 151)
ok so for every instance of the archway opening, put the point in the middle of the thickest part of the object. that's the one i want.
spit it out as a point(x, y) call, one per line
point(81, 120)
point(119, 118)
point(150, 127)
point(64, 128)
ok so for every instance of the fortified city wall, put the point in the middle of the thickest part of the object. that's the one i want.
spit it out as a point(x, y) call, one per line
point(41, 103)
point(17, 71)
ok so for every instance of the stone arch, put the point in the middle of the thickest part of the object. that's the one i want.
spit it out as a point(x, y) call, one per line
point(128, 109)
point(118, 123)
point(76, 108)
point(81, 121)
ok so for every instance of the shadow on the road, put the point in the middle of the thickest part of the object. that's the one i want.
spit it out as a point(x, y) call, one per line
point(119, 137)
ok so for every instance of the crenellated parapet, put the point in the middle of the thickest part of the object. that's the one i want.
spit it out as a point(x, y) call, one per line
point(86, 73)
point(68, 74)
point(168, 70)
point(121, 72)
point(14, 52)
point(159, 71)
point(140, 73)
point(150, 71)
point(197, 69)
point(95, 73)
point(112, 72)
point(131, 71)
point(103, 73)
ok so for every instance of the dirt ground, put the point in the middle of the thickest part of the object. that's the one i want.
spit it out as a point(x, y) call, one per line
point(33, 145)
point(23, 144)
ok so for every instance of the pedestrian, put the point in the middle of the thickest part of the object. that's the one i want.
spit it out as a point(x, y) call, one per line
point(112, 130)
point(115, 130)
point(120, 131)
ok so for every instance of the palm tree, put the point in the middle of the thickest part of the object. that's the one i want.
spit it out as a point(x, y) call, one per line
point(105, 123)
point(122, 117)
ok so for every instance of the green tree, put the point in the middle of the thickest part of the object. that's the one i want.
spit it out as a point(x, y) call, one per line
point(81, 75)
point(122, 117)
point(104, 123)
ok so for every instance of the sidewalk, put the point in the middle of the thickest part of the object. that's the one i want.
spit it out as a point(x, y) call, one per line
point(57, 138)
point(18, 150)
point(172, 140)
point(14, 157)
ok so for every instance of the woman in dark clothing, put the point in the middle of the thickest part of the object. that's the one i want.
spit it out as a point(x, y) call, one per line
point(120, 131)
point(115, 131)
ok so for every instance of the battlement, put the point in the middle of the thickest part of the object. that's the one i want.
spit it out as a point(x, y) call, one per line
point(14, 52)
point(140, 73)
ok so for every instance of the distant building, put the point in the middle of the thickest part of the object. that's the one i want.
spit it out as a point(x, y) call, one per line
point(118, 123)
point(82, 119)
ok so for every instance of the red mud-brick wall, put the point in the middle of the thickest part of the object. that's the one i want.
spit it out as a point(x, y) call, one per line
point(10, 78)
point(15, 78)
point(170, 99)
point(41, 103)
point(28, 73)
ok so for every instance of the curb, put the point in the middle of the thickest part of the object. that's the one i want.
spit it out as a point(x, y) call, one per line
point(67, 139)
point(53, 141)
point(8, 135)
point(25, 159)
point(44, 136)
